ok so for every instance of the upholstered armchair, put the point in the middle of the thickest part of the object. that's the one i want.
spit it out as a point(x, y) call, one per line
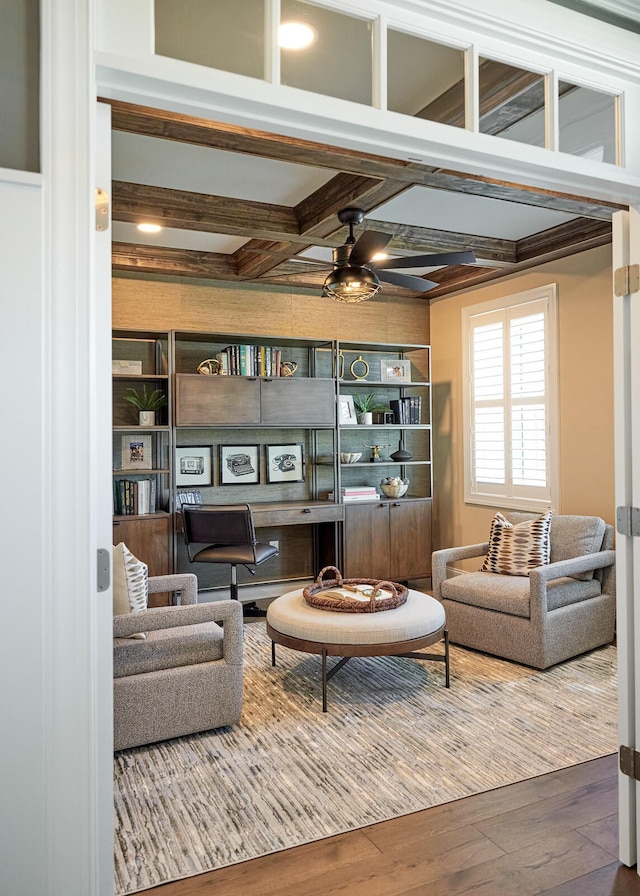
point(559, 610)
point(185, 675)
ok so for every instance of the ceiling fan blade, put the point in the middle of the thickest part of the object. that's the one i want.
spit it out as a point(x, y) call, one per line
point(288, 256)
point(367, 245)
point(417, 284)
point(426, 261)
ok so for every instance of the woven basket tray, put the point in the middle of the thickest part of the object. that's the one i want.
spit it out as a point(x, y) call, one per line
point(320, 595)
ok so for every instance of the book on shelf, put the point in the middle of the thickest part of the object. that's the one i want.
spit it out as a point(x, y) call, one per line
point(362, 496)
point(358, 490)
point(250, 360)
point(134, 497)
point(407, 410)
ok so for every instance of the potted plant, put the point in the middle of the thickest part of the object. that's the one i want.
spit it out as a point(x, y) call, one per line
point(366, 405)
point(147, 403)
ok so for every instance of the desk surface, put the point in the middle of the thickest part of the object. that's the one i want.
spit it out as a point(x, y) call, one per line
point(289, 513)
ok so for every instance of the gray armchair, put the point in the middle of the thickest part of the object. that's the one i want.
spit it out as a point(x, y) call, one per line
point(185, 676)
point(560, 610)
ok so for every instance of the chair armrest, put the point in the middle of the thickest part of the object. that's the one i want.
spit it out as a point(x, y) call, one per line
point(228, 612)
point(186, 583)
point(573, 566)
point(441, 559)
point(542, 575)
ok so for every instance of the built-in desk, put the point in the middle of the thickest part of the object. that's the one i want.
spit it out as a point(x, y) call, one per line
point(303, 552)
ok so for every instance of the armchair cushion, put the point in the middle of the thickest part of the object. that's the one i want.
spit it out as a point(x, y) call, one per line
point(511, 594)
point(168, 649)
point(574, 536)
point(130, 584)
point(516, 549)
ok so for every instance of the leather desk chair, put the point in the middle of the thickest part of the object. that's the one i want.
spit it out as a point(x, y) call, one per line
point(222, 533)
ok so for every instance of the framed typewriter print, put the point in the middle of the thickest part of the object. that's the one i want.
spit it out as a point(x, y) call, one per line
point(193, 466)
point(285, 463)
point(239, 464)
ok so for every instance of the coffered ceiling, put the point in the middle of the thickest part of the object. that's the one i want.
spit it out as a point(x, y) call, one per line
point(238, 204)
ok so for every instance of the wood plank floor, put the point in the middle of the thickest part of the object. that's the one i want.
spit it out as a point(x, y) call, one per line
point(555, 835)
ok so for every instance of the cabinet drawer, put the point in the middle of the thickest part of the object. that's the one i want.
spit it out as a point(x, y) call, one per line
point(216, 400)
point(295, 516)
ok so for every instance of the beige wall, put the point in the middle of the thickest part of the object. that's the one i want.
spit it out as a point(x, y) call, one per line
point(226, 308)
point(585, 344)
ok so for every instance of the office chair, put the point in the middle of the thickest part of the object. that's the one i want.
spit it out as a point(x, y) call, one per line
point(216, 533)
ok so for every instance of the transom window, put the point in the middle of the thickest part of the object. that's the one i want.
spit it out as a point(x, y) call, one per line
point(509, 346)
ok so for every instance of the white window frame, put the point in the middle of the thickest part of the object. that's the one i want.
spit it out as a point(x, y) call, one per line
point(509, 495)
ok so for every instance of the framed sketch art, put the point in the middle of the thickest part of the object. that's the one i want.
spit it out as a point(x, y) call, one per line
point(239, 464)
point(137, 453)
point(285, 463)
point(193, 466)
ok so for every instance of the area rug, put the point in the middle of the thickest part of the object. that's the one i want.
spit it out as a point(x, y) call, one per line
point(393, 741)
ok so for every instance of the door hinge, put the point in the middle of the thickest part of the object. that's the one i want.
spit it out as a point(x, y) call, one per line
point(102, 209)
point(630, 762)
point(628, 521)
point(626, 280)
point(103, 572)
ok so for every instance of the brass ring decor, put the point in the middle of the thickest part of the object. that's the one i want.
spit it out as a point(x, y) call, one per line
point(209, 367)
point(321, 596)
point(364, 370)
point(288, 368)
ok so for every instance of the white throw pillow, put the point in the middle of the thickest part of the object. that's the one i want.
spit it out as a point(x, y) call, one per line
point(515, 550)
point(130, 583)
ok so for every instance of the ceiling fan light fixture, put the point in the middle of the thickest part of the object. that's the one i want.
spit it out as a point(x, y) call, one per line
point(350, 285)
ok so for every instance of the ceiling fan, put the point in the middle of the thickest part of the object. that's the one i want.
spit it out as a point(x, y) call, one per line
point(355, 276)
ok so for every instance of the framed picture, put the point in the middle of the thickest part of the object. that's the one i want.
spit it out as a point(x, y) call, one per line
point(285, 463)
point(193, 466)
point(395, 371)
point(137, 453)
point(346, 410)
point(239, 464)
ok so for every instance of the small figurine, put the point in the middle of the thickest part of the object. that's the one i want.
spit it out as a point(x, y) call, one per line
point(375, 452)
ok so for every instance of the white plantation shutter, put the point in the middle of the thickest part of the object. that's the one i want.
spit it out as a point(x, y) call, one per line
point(510, 407)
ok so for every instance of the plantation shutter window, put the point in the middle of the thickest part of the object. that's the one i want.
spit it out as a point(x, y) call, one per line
point(509, 347)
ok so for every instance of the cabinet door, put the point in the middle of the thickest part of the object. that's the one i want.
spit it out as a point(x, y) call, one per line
point(148, 539)
point(366, 541)
point(216, 400)
point(410, 539)
point(307, 402)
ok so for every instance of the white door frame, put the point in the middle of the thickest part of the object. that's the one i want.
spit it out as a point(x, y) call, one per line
point(626, 329)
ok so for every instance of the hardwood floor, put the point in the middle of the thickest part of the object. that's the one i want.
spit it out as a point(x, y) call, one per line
point(555, 835)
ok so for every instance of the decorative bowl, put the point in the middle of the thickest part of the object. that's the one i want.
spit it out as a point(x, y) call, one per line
point(350, 457)
point(394, 487)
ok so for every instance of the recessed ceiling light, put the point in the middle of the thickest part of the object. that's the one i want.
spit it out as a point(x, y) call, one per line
point(149, 228)
point(296, 35)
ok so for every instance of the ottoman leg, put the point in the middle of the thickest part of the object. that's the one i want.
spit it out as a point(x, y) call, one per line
point(446, 657)
point(273, 653)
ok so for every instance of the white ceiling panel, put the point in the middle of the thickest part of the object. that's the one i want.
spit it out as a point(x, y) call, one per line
point(198, 169)
point(177, 239)
point(443, 210)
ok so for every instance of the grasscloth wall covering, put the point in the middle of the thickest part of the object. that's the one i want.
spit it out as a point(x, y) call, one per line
point(585, 344)
point(226, 308)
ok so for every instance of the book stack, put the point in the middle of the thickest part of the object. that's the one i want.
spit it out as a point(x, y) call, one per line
point(407, 410)
point(250, 360)
point(356, 493)
point(134, 497)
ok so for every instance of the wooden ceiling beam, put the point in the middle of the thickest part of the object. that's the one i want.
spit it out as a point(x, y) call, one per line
point(176, 262)
point(573, 236)
point(183, 210)
point(233, 138)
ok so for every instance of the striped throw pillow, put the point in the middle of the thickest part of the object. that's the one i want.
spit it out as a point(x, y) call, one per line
point(514, 550)
point(130, 583)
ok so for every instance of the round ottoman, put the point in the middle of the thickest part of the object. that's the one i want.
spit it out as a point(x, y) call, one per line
point(417, 623)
